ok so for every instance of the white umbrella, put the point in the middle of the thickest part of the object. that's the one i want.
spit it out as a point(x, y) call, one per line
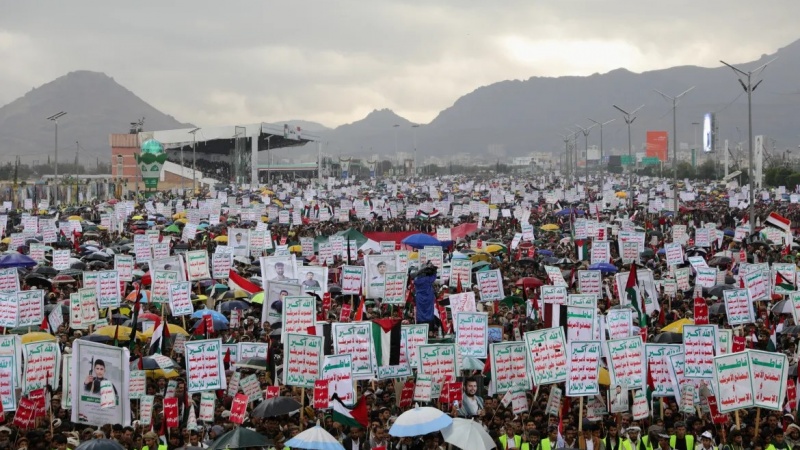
point(419, 421)
point(315, 439)
point(465, 433)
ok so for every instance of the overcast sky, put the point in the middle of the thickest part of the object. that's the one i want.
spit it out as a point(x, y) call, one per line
point(213, 62)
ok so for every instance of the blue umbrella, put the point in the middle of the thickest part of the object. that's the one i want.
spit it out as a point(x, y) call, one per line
point(209, 312)
point(661, 251)
point(545, 252)
point(604, 267)
point(315, 438)
point(233, 304)
point(419, 421)
point(218, 324)
point(16, 260)
point(729, 232)
point(420, 240)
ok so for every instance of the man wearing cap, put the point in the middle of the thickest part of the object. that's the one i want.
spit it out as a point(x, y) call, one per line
point(151, 442)
point(707, 441)
point(637, 442)
point(663, 442)
point(680, 440)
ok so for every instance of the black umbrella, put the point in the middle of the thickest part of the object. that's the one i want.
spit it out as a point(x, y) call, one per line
point(100, 444)
point(717, 290)
point(717, 309)
point(253, 363)
point(79, 265)
point(276, 406)
point(668, 338)
point(149, 363)
point(719, 261)
point(64, 309)
point(46, 271)
point(239, 437)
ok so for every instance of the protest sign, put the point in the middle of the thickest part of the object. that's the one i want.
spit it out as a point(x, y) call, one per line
point(303, 356)
point(601, 252)
point(732, 381)
point(204, 370)
point(414, 336)
point(99, 369)
point(699, 342)
point(321, 394)
point(556, 295)
point(299, 313)
point(583, 365)
point(460, 271)
point(30, 308)
point(548, 355)
point(769, 372)
point(355, 339)
point(352, 280)
point(197, 265)
point(337, 370)
point(490, 284)
point(738, 307)
point(509, 366)
point(438, 361)
point(618, 323)
point(123, 264)
point(394, 290)
point(674, 252)
point(472, 335)
point(180, 301)
point(590, 282)
point(160, 287)
point(423, 388)
point(657, 357)
point(640, 409)
point(108, 289)
point(627, 362)
point(580, 323)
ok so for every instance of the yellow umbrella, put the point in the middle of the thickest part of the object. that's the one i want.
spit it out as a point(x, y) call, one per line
point(277, 202)
point(37, 336)
point(159, 373)
point(182, 220)
point(677, 326)
point(74, 218)
point(223, 239)
point(621, 194)
point(257, 299)
point(266, 191)
point(6, 240)
point(179, 215)
point(494, 248)
point(413, 255)
point(550, 227)
point(296, 249)
point(137, 218)
point(111, 331)
point(264, 219)
point(173, 330)
point(480, 257)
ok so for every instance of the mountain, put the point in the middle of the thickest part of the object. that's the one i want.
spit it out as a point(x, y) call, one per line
point(517, 117)
point(96, 106)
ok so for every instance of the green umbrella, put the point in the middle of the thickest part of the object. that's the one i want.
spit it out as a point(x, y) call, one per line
point(172, 229)
point(648, 253)
point(219, 287)
point(240, 437)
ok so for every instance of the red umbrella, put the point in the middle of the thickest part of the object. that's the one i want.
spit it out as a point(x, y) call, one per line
point(150, 316)
point(529, 282)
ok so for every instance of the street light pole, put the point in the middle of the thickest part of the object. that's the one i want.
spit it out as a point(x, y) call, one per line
point(395, 126)
point(629, 118)
point(585, 132)
point(194, 159)
point(749, 88)
point(602, 167)
point(674, 144)
point(566, 138)
point(55, 118)
point(416, 169)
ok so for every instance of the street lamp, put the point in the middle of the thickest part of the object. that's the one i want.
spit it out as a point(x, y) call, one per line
point(395, 126)
point(55, 118)
point(749, 88)
point(194, 159)
point(629, 118)
point(602, 167)
point(674, 144)
point(585, 132)
point(416, 170)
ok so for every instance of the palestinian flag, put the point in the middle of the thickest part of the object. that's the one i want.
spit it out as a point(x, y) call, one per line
point(783, 282)
point(355, 417)
point(582, 246)
point(158, 342)
point(386, 341)
point(236, 281)
point(634, 296)
point(431, 215)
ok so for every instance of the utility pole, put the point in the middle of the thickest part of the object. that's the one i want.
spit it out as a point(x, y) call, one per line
point(602, 167)
point(55, 118)
point(629, 118)
point(749, 87)
point(77, 147)
point(585, 132)
point(194, 159)
point(674, 144)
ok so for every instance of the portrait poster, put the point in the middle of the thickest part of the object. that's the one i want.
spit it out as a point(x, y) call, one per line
point(313, 279)
point(279, 268)
point(275, 293)
point(239, 241)
point(377, 266)
point(173, 263)
point(92, 364)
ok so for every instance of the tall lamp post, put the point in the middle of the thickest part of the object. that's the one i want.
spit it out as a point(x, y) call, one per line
point(55, 118)
point(396, 126)
point(585, 132)
point(749, 87)
point(194, 159)
point(629, 118)
point(674, 144)
point(416, 170)
point(602, 167)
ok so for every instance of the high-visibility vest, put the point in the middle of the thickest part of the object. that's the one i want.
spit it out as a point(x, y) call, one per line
point(624, 444)
point(504, 440)
point(689, 441)
point(544, 444)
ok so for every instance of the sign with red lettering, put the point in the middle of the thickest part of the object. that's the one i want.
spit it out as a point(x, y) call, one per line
point(344, 316)
point(407, 394)
point(239, 409)
point(738, 344)
point(715, 414)
point(273, 391)
point(24, 417)
point(700, 312)
point(321, 394)
point(171, 411)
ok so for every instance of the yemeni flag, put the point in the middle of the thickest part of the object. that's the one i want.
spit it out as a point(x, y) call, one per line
point(634, 296)
point(236, 281)
point(777, 221)
point(783, 282)
point(386, 338)
point(355, 417)
point(431, 215)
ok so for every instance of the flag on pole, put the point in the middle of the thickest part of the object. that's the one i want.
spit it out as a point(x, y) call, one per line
point(355, 417)
point(634, 296)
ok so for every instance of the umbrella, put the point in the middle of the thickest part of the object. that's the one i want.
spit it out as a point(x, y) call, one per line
point(100, 444)
point(465, 433)
point(209, 312)
point(46, 271)
point(217, 288)
point(315, 438)
point(419, 421)
point(420, 240)
point(233, 304)
point(720, 261)
point(783, 307)
point(545, 252)
point(240, 437)
point(677, 326)
point(529, 282)
point(16, 260)
point(161, 373)
point(647, 253)
point(122, 333)
point(717, 309)
point(668, 338)
point(258, 298)
point(550, 227)
point(530, 261)
point(254, 363)
point(276, 406)
point(173, 330)
point(717, 291)
point(151, 363)
point(37, 336)
point(604, 267)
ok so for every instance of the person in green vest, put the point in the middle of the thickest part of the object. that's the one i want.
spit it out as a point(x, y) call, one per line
point(637, 442)
point(151, 442)
point(509, 439)
point(680, 440)
point(549, 443)
point(777, 442)
point(613, 441)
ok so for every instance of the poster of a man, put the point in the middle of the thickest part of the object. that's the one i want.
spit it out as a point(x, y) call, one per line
point(618, 399)
point(239, 241)
point(377, 267)
point(95, 378)
point(314, 279)
point(276, 292)
point(279, 268)
point(94, 365)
